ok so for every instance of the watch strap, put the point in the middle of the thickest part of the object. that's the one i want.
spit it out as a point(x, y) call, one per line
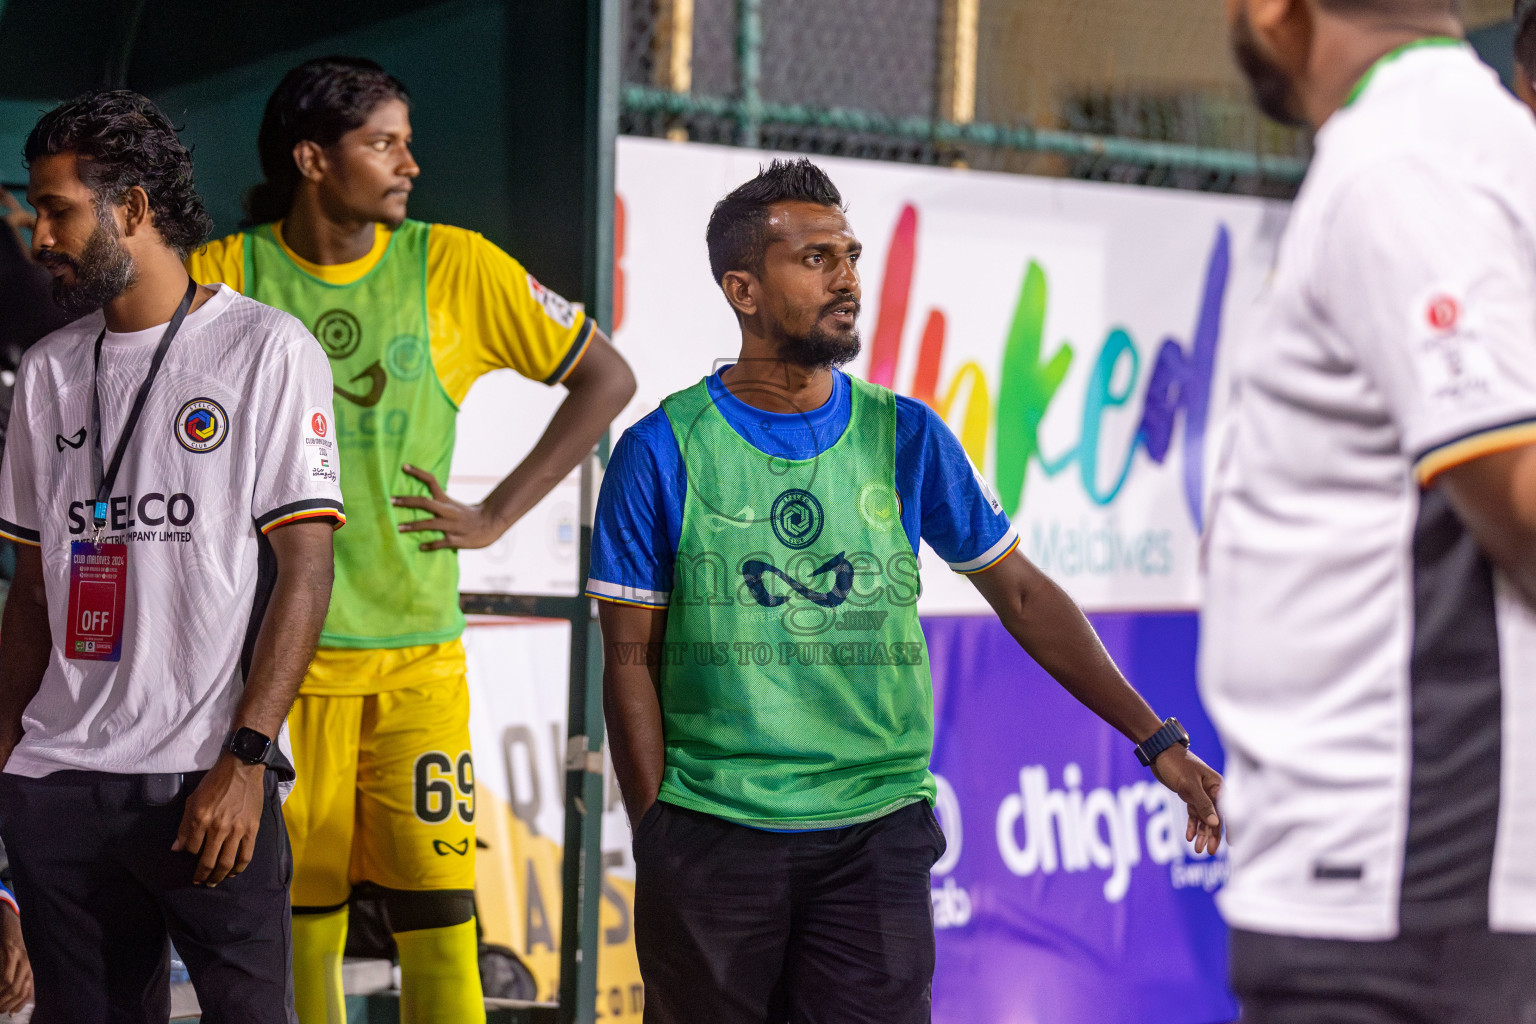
point(1171, 733)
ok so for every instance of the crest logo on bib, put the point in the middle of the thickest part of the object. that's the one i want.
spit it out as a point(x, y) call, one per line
point(202, 425)
point(339, 333)
point(797, 518)
point(405, 357)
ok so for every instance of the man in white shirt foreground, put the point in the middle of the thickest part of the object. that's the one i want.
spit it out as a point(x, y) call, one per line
point(170, 472)
point(1369, 631)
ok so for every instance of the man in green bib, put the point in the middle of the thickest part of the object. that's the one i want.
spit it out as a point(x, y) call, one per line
point(766, 679)
point(410, 314)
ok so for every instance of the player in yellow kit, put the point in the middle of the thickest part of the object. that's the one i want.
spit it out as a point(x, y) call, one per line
point(411, 314)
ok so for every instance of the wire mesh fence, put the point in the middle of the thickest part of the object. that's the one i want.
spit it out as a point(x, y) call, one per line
point(1116, 90)
point(1108, 89)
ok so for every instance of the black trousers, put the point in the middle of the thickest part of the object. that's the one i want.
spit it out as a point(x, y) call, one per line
point(100, 890)
point(1463, 975)
point(738, 926)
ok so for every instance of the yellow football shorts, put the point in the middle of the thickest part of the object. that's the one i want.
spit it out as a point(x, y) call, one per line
point(386, 787)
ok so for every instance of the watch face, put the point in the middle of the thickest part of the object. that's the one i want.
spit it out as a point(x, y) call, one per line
point(249, 745)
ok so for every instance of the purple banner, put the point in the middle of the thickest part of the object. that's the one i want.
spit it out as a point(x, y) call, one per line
point(1068, 894)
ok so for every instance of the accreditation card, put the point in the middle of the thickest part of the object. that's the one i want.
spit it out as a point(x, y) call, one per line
point(98, 592)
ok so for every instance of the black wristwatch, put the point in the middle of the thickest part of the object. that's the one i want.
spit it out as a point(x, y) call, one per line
point(251, 746)
point(1171, 732)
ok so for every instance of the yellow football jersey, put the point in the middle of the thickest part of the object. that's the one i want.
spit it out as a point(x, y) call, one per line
point(484, 311)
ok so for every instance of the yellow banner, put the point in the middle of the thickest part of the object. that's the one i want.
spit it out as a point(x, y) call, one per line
point(517, 678)
point(519, 895)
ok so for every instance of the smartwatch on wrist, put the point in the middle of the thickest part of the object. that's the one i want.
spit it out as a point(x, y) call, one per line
point(251, 746)
point(1171, 732)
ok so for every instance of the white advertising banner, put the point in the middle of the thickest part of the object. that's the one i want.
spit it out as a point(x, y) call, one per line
point(1069, 332)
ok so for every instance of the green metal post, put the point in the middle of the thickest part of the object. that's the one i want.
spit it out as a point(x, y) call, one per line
point(582, 870)
point(561, 108)
point(749, 59)
point(602, 99)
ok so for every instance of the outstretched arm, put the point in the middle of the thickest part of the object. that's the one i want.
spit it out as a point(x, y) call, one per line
point(632, 643)
point(600, 386)
point(1053, 630)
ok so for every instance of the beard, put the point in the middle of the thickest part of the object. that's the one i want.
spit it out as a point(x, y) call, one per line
point(1271, 87)
point(818, 348)
point(103, 271)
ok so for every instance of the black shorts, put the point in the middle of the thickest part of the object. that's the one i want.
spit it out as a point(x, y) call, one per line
point(100, 891)
point(1465, 975)
point(734, 925)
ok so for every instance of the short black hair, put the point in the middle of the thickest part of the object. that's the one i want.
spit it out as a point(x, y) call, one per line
point(319, 101)
point(738, 228)
point(124, 141)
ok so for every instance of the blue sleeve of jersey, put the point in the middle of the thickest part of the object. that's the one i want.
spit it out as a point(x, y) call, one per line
point(945, 500)
point(639, 517)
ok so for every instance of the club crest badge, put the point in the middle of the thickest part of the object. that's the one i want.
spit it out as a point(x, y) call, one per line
point(202, 425)
point(797, 518)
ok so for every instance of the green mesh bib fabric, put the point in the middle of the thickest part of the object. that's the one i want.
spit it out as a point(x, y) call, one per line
point(391, 409)
point(794, 680)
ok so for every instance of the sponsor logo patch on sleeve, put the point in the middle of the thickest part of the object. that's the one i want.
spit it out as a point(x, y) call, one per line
point(320, 446)
point(558, 309)
point(1455, 368)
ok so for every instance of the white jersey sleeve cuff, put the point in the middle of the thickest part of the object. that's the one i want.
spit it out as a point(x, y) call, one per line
point(20, 534)
point(620, 594)
point(312, 508)
point(990, 557)
point(1473, 445)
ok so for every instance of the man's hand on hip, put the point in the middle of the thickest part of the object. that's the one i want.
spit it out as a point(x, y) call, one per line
point(1198, 785)
point(222, 818)
point(462, 526)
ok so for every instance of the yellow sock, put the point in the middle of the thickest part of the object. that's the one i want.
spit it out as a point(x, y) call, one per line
point(440, 976)
point(318, 942)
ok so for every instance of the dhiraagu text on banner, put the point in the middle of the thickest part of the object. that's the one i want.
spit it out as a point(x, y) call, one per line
point(1073, 335)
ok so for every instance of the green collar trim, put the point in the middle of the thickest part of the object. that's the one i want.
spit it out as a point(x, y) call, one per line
point(1387, 58)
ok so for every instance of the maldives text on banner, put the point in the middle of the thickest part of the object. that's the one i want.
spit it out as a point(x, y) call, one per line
point(1073, 335)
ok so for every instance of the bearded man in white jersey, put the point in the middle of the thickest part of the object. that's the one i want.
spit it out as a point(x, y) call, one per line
point(1369, 631)
point(170, 473)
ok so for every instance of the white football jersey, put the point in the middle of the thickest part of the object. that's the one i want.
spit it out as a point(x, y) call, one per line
point(234, 441)
point(1372, 675)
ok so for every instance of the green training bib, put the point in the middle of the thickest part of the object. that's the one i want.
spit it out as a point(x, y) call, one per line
point(794, 681)
point(391, 409)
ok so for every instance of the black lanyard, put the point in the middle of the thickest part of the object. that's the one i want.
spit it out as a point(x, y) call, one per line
point(104, 481)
